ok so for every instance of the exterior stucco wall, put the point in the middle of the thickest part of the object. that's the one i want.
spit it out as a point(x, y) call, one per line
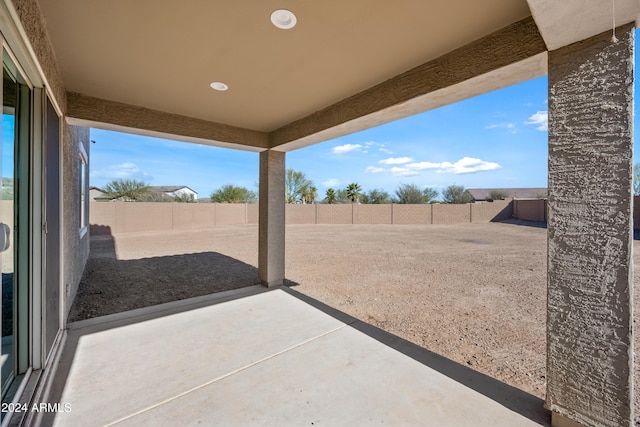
point(589, 332)
point(75, 248)
point(35, 27)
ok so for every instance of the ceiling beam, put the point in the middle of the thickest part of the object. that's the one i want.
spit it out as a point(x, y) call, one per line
point(99, 113)
point(382, 103)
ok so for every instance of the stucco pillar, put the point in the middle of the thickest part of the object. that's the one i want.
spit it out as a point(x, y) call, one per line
point(271, 221)
point(589, 319)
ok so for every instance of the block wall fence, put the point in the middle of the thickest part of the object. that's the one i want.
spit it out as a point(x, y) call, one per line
point(127, 217)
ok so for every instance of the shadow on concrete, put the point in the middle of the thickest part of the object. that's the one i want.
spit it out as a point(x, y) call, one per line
point(516, 400)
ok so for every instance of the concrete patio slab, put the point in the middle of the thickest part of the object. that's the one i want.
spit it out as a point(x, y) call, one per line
point(265, 358)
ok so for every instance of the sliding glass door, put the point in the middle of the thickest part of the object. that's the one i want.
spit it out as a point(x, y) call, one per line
point(14, 225)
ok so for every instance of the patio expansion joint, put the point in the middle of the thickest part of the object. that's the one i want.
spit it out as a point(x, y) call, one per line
point(227, 375)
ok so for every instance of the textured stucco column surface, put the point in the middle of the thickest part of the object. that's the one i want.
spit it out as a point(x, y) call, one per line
point(271, 221)
point(589, 333)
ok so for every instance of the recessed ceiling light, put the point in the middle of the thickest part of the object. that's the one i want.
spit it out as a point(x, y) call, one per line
point(283, 19)
point(219, 86)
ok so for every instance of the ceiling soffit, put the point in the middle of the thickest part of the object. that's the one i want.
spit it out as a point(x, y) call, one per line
point(161, 55)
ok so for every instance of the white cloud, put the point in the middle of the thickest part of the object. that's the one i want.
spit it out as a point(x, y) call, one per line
point(385, 150)
point(346, 148)
point(372, 169)
point(541, 119)
point(425, 165)
point(333, 182)
point(396, 161)
point(396, 171)
point(469, 165)
point(125, 170)
point(462, 166)
point(511, 127)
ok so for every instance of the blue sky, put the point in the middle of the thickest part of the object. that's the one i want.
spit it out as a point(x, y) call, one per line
point(491, 141)
point(495, 140)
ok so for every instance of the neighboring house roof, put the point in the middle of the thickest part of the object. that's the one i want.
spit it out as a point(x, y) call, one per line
point(169, 188)
point(96, 188)
point(479, 194)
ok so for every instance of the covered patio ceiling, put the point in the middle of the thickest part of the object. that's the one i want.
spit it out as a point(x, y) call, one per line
point(146, 66)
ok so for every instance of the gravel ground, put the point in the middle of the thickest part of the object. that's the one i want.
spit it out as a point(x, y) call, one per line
point(474, 293)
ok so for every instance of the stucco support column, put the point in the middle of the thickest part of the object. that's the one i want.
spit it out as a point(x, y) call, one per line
point(589, 319)
point(271, 220)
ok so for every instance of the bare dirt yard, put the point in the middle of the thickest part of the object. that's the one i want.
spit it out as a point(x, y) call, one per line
point(474, 293)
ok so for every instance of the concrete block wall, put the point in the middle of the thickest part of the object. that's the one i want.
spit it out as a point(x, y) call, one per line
point(124, 217)
point(411, 214)
point(530, 210)
point(335, 214)
point(231, 213)
point(372, 214)
point(450, 214)
point(301, 214)
point(486, 212)
point(252, 213)
point(191, 216)
point(132, 217)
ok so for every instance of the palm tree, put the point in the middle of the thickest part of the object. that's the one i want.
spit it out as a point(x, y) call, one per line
point(309, 194)
point(353, 192)
point(330, 196)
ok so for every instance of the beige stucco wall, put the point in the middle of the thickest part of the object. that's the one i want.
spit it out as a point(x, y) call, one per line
point(75, 247)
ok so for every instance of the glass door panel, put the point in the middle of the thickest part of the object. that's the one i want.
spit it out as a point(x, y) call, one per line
point(14, 223)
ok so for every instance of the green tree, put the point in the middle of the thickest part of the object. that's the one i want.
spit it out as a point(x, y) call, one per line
point(377, 196)
point(429, 194)
point(353, 192)
point(183, 198)
point(341, 196)
point(330, 196)
point(154, 196)
point(498, 195)
point(127, 190)
point(296, 183)
point(309, 194)
point(636, 179)
point(233, 194)
point(456, 194)
point(7, 189)
point(409, 194)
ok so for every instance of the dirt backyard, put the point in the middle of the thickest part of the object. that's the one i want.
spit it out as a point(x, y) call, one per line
point(474, 293)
